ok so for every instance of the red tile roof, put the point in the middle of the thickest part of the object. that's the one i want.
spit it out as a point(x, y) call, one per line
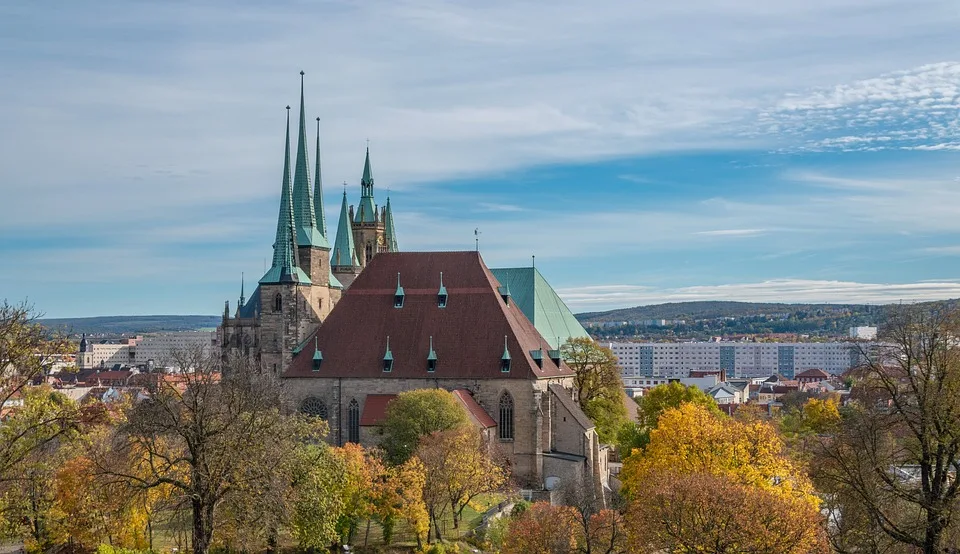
point(468, 334)
point(473, 409)
point(375, 409)
point(813, 374)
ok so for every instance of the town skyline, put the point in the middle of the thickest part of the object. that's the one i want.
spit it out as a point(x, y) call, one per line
point(642, 154)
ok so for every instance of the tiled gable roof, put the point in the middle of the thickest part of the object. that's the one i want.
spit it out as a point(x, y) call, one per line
point(813, 373)
point(467, 334)
point(475, 411)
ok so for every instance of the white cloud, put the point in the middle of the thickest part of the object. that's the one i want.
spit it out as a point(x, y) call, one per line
point(780, 290)
point(441, 89)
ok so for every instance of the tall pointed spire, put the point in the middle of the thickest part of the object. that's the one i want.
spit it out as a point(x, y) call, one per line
point(366, 210)
point(344, 254)
point(243, 298)
point(318, 193)
point(389, 233)
point(284, 268)
point(307, 233)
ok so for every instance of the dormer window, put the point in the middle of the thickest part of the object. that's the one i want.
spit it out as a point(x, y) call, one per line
point(388, 358)
point(317, 355)
point(537, 356)
point(554, 357)
point(505, 359)
point(504, 291)
point(442, 294)
point(398, 296)
point(431, 358)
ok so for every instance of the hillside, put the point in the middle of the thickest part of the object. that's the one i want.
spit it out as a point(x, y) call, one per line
point(131, 325)
point(701, 320)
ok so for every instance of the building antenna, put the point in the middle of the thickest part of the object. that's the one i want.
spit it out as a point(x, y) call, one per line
point(533, 261)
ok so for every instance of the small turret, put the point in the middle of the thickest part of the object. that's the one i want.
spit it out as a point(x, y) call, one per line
point(366, 210)
point(344, 253)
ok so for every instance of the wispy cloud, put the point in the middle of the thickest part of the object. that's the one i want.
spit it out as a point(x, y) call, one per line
point(732, 232)
point(780, 290)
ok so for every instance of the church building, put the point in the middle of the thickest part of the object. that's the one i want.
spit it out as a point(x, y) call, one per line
point(305, 279)
point(415, 320)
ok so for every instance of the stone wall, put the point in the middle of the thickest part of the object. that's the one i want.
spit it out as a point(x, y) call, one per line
point(524, 452)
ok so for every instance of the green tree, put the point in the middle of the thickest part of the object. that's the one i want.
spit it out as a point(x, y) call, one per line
point(215, 437)
point(597, 385)
point(414, 414)
point(664, 397)
point(26, 350)
point(317, 486)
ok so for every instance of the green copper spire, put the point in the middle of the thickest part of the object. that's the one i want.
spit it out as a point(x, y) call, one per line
point(284, 268)
point(318, 193)
point(367, 210)
point(307, 233)
point(389, 233)
point(344, 253)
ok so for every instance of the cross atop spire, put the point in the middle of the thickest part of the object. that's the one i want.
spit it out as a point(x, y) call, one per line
point(284, 268)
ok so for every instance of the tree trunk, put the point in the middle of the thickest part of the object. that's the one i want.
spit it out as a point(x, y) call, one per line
point(202, 525)
point(934, 533)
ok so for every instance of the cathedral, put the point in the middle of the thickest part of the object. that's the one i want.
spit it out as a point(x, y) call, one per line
point(306, 277)
point(350, 326)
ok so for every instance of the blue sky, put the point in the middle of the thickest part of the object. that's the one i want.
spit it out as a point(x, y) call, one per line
point(644, 151)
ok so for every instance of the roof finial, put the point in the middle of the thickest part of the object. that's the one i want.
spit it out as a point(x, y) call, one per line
point(533, 261)
point(476, 237)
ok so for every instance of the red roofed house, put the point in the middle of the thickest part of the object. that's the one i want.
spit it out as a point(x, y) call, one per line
point(419, 320)
point(812, 376)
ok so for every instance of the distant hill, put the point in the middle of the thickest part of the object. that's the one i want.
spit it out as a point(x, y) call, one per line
point(701, 320)
point(716, 309)
point(131, 325)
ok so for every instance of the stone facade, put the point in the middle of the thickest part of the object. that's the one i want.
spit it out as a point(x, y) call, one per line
point(542, 428)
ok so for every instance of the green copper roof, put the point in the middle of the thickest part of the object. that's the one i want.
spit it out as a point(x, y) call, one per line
point(432, 355)
point(344, 253)
point(388, 356)
point(366, 210)
point(389, 233)
point(318, 193)
point(540, 303)
point(284, 268)
point(303, 208)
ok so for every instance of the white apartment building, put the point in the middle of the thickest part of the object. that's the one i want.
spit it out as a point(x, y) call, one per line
point(739, 360)
point(140, 350)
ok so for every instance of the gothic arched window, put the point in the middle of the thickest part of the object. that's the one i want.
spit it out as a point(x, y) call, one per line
point(353, 421)
point(369, 252)
point(313, 406)
point(506, 417)
point(278, 303)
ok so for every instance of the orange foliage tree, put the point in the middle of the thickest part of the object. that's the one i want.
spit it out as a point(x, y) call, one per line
point(542, 529)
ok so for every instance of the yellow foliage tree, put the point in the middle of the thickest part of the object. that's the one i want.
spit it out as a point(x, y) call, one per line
point(698, 463)
point(690, 439)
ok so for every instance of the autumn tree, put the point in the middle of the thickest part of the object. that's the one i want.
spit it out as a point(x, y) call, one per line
point(542, 529)
point(458, 468)
point(213, 436)
point(27, 494)
point(398, 497)
point(26, 350)
point(896, 455)
point(692, 448)
point(414, 414)
point(597, 385)
point(361, 471)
